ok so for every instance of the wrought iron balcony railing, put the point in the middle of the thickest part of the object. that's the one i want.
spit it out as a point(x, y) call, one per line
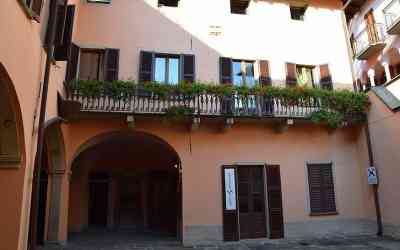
point(205, 104)
point(370, 40)
point(392, 17)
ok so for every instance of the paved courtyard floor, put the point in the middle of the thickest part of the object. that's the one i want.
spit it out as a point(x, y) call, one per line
point(125, 241)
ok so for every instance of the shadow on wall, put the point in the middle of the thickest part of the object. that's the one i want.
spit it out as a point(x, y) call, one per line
point(138, 25)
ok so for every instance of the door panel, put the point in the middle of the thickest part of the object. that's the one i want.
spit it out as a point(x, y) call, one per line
point(251, 202)
point(275, 209)
point(98, 205)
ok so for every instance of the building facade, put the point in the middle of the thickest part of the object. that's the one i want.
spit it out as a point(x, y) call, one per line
point(373, 31)
point(243, 167)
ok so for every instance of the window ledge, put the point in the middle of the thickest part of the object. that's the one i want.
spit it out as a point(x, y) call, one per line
point(324, 213)
point(9, 161)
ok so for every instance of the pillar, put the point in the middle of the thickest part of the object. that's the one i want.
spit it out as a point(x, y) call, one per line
point(58, 210)
point(371, 75)
point(387, 71)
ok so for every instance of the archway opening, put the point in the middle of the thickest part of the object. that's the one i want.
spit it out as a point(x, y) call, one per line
point(126, 182)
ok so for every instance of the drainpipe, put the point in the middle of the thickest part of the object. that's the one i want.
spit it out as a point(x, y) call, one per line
point(40, 142)
point(375, 186)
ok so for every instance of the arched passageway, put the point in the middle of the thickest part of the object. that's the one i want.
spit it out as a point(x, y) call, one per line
point(126, 181)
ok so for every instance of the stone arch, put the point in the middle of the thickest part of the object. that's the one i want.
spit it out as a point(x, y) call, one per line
point(127, 160)
point(12, 140)
point(93, 141)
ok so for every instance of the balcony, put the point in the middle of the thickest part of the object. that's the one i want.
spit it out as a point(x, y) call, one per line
point(142, 102)
point(392, 17)
point(370, 41)
point(84, 99)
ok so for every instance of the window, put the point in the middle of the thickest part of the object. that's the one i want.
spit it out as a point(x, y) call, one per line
point(297, 13)
point(239, 7)
point(99, 1)
point(304, 75)
point(243, 73)
point(321, 187)
point(169, 3)
point(91, 65)
point(166, 69)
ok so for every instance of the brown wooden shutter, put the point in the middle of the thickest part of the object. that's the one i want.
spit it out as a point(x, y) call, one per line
point(188, 68)
point(73, 61)
point(146, 66)
point(325, 77)
point(265, 77)
point(225, 69)
point(275, 208)
point(57, 13)
point(63, 50)
point(322, 193)
point(291, 76)
point(111, 64)
point(230, 216)
point(36, 7)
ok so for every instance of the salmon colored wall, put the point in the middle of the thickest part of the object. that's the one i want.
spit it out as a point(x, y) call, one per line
point(22, 55)
point(267, 32)
point(384, 128)
point(203, 152)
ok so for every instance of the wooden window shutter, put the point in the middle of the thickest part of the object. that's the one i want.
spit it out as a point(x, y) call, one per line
point(321, 187)
point(57, 13)
point(36, 7)
point(291, 77)
point(188, 68)
point(62, 50)
point(111, 64)
point(225, 69)
point(73, 61)
point(146, 66)
point(265, 77)
point(230, 203)
point(274, 196)
point(325, 77)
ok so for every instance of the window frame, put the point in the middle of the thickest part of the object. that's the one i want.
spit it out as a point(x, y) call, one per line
point(308, 188)
point(241, 12)
point(101, 62)
point(99, 1)
point(166, 5)
point(168, 56)
point(243, 63)
point(313, 75)
point(302, 16)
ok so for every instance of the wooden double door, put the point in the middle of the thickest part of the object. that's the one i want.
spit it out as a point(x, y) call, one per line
point(252, 202)
point(251, 198)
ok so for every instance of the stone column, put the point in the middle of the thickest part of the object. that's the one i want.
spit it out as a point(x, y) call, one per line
point(371, 75)
point(58, 210)
point(387, 71)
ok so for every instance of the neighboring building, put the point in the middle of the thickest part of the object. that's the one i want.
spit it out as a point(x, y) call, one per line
point(374, 28)
point(112, 163)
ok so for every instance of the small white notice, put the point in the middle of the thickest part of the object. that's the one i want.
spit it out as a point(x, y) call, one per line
point(230, 189)
point(372, 176)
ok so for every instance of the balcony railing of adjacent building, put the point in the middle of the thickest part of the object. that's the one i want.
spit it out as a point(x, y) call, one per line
point(392, 17)
point(206, 104)
point(370, 41)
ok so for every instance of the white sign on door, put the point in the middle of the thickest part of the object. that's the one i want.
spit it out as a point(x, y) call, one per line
point(372, 176)
point(230, 189)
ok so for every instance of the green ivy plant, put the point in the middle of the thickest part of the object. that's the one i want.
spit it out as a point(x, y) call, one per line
point(337, 107)
point(178, 113)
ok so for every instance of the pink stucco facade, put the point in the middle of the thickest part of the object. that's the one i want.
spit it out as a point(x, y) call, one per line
point(266, 33)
